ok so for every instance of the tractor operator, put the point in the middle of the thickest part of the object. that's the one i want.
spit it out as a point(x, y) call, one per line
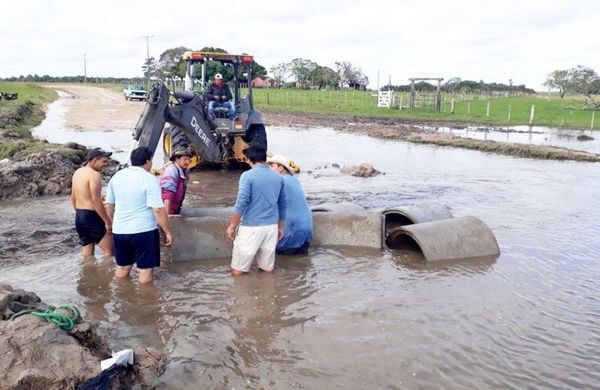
point(220, 96)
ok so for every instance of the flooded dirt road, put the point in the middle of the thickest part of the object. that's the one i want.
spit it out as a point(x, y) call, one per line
point(355, 318)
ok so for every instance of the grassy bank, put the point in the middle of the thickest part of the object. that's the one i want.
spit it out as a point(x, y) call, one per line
point(17, 117)
point(503, 111)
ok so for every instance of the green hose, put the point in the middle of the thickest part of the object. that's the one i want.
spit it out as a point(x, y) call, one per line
point(61, 320)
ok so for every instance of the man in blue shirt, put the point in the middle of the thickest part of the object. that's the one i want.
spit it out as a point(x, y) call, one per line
point(260, 208)
point(135, 205)
point(298, 228)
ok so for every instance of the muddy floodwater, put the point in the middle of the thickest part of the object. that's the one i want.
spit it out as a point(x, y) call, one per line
point(536, 135)
point(353, 318)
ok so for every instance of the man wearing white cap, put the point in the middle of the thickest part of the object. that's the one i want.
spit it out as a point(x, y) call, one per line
point(298, 228)
point(220, 96)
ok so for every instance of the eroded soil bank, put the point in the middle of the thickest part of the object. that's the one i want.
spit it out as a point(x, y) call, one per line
point(422, 132)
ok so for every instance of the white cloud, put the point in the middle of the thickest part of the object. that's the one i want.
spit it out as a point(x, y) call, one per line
point(489, 40)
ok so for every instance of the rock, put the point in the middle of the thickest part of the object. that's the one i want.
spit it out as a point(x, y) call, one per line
point(39, 355)
point(362, 170)
point(4, 161)
point(149, 364)
point(14, 301)
point(75, 146)
point(335, 165)
point(87, 336)
point(582, 137)
point(44, 173)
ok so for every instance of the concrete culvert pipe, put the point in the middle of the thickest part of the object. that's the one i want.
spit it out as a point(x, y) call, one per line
point(350, 227)
point(447, 239)
point(200, 238)
point(395, 217)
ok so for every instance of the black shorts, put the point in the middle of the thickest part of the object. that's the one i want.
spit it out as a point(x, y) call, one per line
point(89, 226)
point(143, 249)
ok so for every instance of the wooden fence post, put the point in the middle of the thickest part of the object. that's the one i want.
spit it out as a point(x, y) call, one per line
point(509, 112)
point(593, 117)
point(487, 111)
point(452, 106)
point(532, 115)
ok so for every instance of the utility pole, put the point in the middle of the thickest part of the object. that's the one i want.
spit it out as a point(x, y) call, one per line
point(84, 69)
point(148, 55)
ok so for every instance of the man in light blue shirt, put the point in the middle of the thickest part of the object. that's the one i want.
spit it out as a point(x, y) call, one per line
point(298, 228)
point(260, 208)
point(135, 205)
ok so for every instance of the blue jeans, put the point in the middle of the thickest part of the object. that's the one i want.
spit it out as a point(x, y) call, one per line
point(214, 104)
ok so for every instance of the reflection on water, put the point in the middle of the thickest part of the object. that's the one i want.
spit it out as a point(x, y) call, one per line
point(352, 317)
point(537, 135)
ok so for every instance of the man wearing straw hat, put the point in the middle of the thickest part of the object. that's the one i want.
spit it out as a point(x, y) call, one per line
point(298, 229)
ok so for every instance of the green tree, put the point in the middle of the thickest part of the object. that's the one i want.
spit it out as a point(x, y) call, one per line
point(171, 63)
point(350, 75)
point(559, 79)
point(280, 72)
point(325, 77)
point(149, 68)
point(302, 71)
point(585, 81)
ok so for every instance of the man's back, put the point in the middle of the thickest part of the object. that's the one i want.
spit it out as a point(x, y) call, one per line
point(81, 187)
point(134, 192)
point(261, 197)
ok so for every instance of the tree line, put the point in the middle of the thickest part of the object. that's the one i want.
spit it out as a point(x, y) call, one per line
point(457, 85)
point(308, 74)
point(73, 79)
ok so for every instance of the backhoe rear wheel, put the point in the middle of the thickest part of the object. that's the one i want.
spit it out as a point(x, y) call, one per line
point(173, 137)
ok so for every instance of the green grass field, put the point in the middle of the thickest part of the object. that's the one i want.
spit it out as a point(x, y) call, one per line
point(549, 111)
point(18, 116)
point(27, 92)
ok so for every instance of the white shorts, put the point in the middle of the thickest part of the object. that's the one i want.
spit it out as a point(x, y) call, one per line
point(254, 241)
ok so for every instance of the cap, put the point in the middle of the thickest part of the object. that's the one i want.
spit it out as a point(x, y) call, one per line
point(281, 160)
point(97, 153)
point(218, 76)
point(180, 152)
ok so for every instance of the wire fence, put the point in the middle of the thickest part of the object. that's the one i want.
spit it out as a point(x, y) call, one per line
point(477, 106)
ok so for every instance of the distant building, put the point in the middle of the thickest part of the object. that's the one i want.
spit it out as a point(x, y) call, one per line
point(264, 82)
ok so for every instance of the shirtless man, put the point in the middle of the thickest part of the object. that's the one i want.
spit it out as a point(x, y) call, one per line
point(91, 219)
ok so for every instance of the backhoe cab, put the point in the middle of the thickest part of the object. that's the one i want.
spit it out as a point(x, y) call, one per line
point(216, 141)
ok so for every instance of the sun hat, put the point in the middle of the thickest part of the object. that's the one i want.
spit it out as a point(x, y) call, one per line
point(97, 153)
point(281, 160)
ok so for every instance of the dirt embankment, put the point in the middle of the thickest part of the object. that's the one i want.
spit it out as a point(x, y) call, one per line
point(31, 167)
point(417, 132)
point(39, 355)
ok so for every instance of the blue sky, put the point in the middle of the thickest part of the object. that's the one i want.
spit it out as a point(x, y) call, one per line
point(492, 41)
